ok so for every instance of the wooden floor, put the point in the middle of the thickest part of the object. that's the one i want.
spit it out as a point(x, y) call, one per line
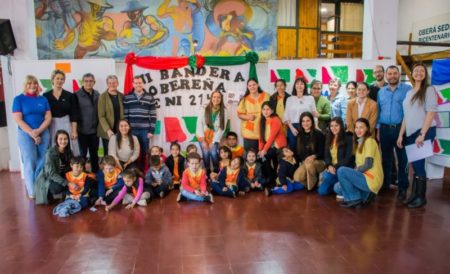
point(298, 233)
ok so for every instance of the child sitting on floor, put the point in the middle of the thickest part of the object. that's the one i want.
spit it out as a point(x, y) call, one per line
point(286, 170)
point(224, 161)
point(253, 171)
point(132, 192)
point(80, 183)
point(193, 182)
point(231, 179)
point(109, 184)
point(158, 177)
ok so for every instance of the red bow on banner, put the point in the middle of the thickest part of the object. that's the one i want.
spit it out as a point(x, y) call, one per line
point(130, 59)
point(200, 61)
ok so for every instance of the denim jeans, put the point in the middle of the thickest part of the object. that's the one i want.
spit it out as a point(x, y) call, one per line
point(353, 183)
point(291, 138)
point(192, 196)
point(419, 165)
point(388, 142)
point(141, 135)
point(211, 155)
point(217, 187)
point(33, 157)
point(291, 186)
point(328, 182)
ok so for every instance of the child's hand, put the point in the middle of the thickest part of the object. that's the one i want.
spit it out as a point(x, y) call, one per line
point(224, 188)
point(198, 192)
point(257, 184)
point(130, 206)
point(108, 207)
point(205, 193)
point(108, 192)
point(252, 185)
point(284, 187)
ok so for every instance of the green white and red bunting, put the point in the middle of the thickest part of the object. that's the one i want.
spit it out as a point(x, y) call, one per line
point(182, 85)
point(442, 143)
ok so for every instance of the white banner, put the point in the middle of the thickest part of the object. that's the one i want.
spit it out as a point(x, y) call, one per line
point(434, 30)
point(324, 70)
point(181, 92)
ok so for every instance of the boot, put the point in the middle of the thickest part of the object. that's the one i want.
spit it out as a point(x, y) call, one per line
point(421, 191)
point(413, 192)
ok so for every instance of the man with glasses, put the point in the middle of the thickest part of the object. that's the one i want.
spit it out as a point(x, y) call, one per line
point(378, 74)
point(87, 98)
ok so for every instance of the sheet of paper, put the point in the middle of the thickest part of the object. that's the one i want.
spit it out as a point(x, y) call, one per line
point(415, 153)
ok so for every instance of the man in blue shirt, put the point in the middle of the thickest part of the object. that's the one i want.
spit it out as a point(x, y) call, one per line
point(390, 115)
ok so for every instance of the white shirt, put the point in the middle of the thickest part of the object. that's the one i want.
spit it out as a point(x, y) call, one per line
point(296, 106)
point(360, 106)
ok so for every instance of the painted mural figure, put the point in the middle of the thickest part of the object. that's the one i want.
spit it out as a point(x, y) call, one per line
point(233, 27)
point(140, 32)
point(94, 28)
point(185, 17)
point(55, 28)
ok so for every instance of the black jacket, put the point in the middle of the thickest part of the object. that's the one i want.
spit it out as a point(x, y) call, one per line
point(273, 100)
point(344, 153)
point(303, 150)
point(171, 165)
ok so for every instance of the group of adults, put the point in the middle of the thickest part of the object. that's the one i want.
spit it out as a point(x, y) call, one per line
point(397, 114)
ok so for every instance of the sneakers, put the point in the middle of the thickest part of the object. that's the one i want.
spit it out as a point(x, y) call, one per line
point(268, 192)
point(142, 202)
point(180, 198)
point(339, 198)
point(161, 194)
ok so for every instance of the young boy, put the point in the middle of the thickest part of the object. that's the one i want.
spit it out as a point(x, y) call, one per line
point(109, 184)
point(80, 183)
point(232, 143)
point(193, 182)
point(231, 180)
point(175, 162)
point(253, 171)
point(158, 177)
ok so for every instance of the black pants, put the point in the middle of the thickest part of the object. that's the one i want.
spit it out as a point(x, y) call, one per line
point(54, 189)
point(270, 166)
point(89, 142)
point(250, 143)
point(105, 143)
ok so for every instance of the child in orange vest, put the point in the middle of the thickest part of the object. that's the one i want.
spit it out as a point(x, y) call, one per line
point(232, 144)
point(231, 179)
point(175, 162)
point(253, 171)
point(109, 184)
point(193, 182)
point(80, 183)
point(224, 161)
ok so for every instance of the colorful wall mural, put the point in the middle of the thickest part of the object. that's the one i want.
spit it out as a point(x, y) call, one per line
point(75, 29)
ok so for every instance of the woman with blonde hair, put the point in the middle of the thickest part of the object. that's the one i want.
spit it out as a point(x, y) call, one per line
point(33, 116)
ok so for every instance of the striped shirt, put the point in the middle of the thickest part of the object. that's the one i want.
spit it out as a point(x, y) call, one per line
point(140, 111)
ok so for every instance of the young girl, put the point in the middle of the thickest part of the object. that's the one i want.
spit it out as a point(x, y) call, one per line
point(109, 184)
point(253, 172)
point(358, 186)
point(224, 161)
point(231, 179)
point(175, 162)
point(271, 138)
point(194, 182)
point(51, 180)
point(132, 192)
point(338, 153)
point(124, 146)
point(310, 149)
point(157, 150)
point(286, 170)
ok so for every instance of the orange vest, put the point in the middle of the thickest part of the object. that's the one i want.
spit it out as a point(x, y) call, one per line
point(251, 171)
point(176, 176)
point(236, 151)
point(111, 178)
point(80, 180)
point(232, 176)
point(194, 178)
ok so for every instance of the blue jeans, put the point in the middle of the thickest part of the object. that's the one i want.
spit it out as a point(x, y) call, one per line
point(291, 186)
point(192, 196)
point(328, 182)
point(33, 157)
point(388, 142)
point(291, 138)
point(211, 155)
point(141, 135)
point(353, 183)
point(419, 166)
point(217, 187)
